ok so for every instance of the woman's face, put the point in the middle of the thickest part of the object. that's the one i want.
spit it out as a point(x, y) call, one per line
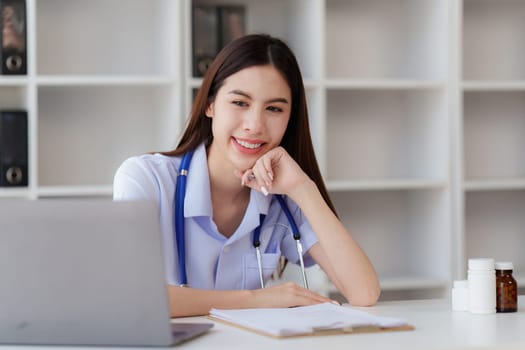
point(249, 115)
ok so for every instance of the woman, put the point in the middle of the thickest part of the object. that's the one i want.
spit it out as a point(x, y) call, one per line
point(249, 136)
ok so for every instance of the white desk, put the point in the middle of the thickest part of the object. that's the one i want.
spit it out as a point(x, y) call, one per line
point(437, 327)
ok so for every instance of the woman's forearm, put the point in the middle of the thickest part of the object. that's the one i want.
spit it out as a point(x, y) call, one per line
point(195, 302)
point(344, 261)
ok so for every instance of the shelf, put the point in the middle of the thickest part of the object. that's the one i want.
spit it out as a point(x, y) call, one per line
point(403, 283)
point(15, 192)
point(385, 184)
point(412, 282)
point(371, 84)
point(195, 83)
point(493, 85)
point(75, 191)
point(86, 80)
point(495, 184)
point(19, 81)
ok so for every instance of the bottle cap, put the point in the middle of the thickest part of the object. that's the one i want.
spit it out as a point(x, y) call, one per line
point(481, 264)
point(504, 265)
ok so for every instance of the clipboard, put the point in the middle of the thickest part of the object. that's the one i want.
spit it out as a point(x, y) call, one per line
point(318, 332)
point(338, 320)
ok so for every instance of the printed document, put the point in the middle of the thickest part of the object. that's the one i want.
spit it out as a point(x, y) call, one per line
point(308, 320)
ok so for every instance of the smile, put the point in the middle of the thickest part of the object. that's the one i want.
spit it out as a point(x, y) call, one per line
point(247, 144)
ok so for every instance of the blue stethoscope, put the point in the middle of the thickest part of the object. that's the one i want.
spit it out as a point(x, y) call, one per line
point(180, 194)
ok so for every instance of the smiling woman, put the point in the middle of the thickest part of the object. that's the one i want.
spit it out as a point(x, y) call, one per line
point(250, 114)
point(249, 177)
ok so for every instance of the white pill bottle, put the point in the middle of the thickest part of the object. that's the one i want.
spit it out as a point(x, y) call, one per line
point(481, 286)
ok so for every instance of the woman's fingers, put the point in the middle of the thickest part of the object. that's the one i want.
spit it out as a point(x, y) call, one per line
point(256, 178)
point(290, 295)
point(248, 179)
point(274, 172)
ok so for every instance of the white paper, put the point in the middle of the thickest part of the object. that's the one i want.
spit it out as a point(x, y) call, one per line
point(304, 319)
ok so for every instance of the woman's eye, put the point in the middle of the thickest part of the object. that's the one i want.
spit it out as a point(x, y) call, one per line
point(274, 109)
point(240, 103)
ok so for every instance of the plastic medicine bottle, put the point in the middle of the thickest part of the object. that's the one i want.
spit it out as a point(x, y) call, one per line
point(506, 288)
point(460, 296)
point(481, 286)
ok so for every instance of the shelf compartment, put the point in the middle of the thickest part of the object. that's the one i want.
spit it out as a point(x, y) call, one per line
point(494, 227)
point(394, 39)
point(132, 38)
point(405, 233)
point(297, 22)
point(84, 133)
point(13, 97)
point(492, 37)
point(494, 138)
point(387, 135)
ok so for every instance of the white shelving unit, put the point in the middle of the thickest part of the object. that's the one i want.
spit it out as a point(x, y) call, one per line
point(493, 122)
point(417, 113)
point(376, 74)
point(104, 82)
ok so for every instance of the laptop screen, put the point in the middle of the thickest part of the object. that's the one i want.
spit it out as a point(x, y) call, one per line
point(87, 272)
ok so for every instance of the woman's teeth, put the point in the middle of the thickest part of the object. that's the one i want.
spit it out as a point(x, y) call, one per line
point(248, 145)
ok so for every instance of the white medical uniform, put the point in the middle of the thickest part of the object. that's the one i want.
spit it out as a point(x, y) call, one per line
point(212, 260)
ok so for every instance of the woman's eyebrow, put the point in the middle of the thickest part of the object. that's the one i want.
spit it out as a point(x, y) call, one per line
point(247, 95)
point(241, 93)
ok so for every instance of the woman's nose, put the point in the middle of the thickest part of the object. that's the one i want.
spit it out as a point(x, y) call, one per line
point(253, 121)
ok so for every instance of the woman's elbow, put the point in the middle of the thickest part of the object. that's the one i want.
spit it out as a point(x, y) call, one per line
point(364, 296)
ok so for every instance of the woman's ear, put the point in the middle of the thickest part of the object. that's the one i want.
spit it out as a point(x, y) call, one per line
point(210, 110)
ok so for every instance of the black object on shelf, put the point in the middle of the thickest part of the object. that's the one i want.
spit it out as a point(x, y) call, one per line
point(214, 27)
point(13, 148)
point(13, 37)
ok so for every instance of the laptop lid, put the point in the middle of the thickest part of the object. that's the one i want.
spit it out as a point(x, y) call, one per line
point(83, 272)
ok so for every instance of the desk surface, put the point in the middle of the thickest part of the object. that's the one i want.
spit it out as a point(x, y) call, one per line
point(437, 327)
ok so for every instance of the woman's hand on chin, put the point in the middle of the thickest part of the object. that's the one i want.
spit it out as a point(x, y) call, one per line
point(274, 172)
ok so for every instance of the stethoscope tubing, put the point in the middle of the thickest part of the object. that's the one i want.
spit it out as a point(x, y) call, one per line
point(180, 195)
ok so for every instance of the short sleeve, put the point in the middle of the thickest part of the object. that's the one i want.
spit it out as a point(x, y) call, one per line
point(134, 181)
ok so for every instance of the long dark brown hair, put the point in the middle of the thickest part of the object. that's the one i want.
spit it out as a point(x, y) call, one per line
point(247, 51)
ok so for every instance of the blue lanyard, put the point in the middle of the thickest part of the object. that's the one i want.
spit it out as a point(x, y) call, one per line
point(180, 195)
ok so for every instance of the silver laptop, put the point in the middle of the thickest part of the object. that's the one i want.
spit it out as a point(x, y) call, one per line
point(84, 272)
